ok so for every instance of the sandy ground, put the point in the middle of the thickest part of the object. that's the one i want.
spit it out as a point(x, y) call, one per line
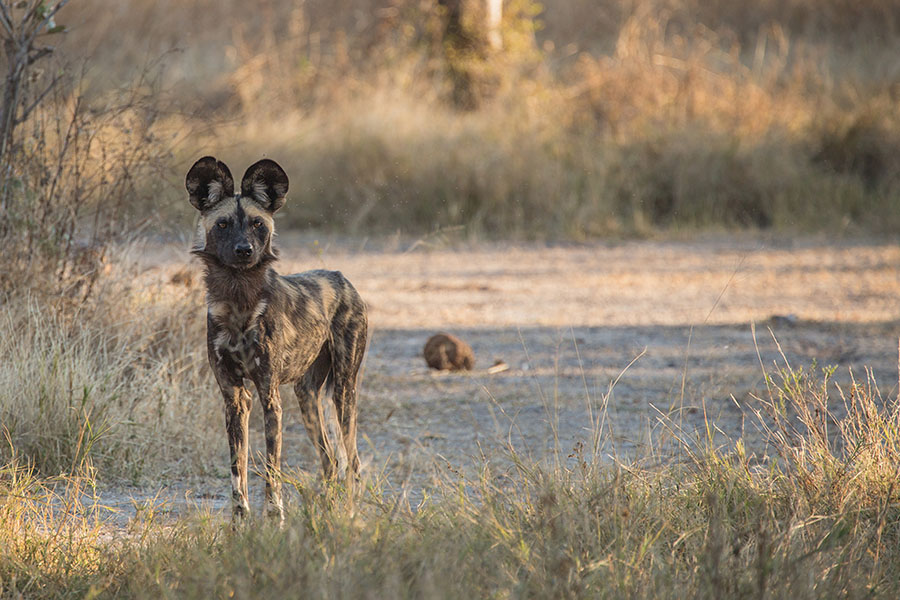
point(669, 322)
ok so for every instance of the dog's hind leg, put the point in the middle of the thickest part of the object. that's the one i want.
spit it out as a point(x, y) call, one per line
point(349, 349)
point(309, 395)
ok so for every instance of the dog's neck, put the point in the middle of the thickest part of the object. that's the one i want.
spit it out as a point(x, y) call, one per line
point(239, 288)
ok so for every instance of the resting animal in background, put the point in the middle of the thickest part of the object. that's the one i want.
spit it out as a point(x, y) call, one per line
point(308, 329)
point(444, 351)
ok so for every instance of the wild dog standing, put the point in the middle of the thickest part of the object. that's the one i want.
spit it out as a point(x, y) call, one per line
point(308, 330)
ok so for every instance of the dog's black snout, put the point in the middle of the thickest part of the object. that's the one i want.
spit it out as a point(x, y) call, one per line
point(243, 249)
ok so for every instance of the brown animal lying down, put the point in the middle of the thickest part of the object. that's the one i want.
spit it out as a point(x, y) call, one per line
point(447, 352)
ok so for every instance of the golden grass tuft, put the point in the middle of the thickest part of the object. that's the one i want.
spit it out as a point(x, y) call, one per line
point(817, 517)
point(116, 383)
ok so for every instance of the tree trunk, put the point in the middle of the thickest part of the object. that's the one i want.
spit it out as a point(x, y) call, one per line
point(494, 18)
point(472, 33)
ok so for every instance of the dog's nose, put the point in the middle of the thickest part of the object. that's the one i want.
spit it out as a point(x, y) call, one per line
point(243, 249)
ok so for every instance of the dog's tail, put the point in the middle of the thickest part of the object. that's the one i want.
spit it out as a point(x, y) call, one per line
point(328, 386)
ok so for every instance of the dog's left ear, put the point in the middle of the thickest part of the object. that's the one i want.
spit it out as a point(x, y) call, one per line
point(266, 183)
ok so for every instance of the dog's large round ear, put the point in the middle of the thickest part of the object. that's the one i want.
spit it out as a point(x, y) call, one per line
point(208, 182)
point(266, 183)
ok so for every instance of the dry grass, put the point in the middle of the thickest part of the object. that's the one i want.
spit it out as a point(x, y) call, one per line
point(115, 383)
point(672, 114)
point(816, 518)
point(631, 117)
point(51, 541)
point(816, 515)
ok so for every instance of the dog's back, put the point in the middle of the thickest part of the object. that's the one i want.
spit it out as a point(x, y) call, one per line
point(313, 302)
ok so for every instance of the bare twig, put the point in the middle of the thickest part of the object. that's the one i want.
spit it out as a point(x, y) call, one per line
point(40, 98)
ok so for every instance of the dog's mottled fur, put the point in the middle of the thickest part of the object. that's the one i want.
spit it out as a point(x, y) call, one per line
point(308, 329)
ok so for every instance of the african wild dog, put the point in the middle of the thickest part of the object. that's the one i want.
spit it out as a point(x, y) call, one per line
point(308, 330)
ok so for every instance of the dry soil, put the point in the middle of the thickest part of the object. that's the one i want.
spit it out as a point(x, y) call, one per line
point(637, 339)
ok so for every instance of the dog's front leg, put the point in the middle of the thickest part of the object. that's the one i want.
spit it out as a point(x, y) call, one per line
point(237, 416)
point(271, 401)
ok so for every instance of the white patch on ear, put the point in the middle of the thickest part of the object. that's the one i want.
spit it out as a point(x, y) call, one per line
point(215, 192)
point(260, 193)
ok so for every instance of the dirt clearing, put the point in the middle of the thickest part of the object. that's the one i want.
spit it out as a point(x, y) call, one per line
point(671, 321)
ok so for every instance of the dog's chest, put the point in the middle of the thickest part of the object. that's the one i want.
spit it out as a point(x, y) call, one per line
point(237, 339)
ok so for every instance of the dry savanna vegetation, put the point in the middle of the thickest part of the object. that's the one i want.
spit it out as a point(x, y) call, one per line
point(401, 120)
point(594, 119)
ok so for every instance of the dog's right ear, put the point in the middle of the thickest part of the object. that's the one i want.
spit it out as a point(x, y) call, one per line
point(208, 182)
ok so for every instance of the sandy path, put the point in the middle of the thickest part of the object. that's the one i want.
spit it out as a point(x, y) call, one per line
point(569, 319)
point(633, 284)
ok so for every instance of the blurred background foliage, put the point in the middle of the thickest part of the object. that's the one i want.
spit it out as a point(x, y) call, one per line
point(587, 120)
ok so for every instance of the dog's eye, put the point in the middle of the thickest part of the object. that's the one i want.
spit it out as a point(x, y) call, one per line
point(222, 224)
point(257, 223)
